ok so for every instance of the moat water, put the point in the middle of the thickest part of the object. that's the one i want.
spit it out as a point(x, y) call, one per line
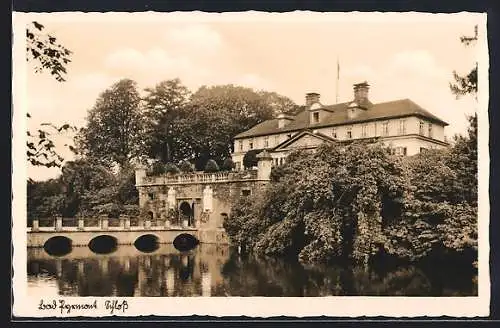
point(210, 270)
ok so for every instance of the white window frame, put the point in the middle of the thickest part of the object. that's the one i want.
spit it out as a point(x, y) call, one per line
point(421, 128)
point(364, 130)
point(385, 129)
point(402, 127)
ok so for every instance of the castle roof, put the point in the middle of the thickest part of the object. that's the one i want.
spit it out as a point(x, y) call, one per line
point(337, 115)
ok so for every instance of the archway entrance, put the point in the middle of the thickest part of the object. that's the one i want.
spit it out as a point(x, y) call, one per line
point(186, 211)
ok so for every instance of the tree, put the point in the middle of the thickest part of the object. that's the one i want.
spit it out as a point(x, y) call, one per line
point(46, 54)
point(211, 166)
point(44, 198)
point(279, 104)
point(250, 159)
point(171, 168)
point(228, 164)
point(41, 147)
point(467, 84)
point(323, 205)
point(185, 167)
point(164, 110)
point(84, 180)
point(114, 130)
point(219, 113)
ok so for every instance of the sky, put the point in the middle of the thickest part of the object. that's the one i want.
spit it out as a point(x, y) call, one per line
point(399, 55)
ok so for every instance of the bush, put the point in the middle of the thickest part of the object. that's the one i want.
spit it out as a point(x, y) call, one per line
point(211, 166)
point(171, 169)
point(157, 168)
point(185, 167)
point(228, 164)
point(250, 159)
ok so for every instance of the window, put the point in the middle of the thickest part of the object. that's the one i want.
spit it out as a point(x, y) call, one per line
point(315, 117)
point(430, 130)
point(151, 195)
point(422, 149)
point(402, 127)
point(240, 145)
point(245, 192)
point(237, 166)
point(282, 161)
point(421, 128)
point(349, 133)
point(400, 151)
point(250, 145)
point(266, 142)
point(385, 128)
point(375, 129)
point(334, 133)
point(364, 130)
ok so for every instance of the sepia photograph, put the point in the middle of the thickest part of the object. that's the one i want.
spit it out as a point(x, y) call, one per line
point(250, 163)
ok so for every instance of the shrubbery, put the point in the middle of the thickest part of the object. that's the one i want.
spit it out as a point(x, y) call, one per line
point(171, 168)
point(211, 166)
point(228, 164)
point(185, 167)
point(355, 200)
point(250, 159)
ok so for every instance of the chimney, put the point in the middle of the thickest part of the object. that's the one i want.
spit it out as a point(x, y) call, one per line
point(283, 120)
point(361, 92)
point(311, 98)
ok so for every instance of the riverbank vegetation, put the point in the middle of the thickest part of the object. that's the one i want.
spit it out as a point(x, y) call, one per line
point(356, 201)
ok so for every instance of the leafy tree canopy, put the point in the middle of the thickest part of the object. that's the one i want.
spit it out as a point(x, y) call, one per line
point(113, 134)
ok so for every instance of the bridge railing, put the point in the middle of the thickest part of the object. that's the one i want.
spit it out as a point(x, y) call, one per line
point(104, 224)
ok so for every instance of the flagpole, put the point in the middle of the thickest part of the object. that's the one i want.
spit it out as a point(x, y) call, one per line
point(337, 85)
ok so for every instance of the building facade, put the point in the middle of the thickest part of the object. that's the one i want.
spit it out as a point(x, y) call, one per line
point(402, 125)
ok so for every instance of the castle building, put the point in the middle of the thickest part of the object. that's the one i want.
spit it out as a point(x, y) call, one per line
point(402, 125)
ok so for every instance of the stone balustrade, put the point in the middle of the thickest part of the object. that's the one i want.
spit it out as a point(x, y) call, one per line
point(199, 177)
point(102, 224)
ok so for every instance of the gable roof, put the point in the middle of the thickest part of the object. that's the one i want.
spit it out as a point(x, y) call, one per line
point(300, 135)
point(337, 115)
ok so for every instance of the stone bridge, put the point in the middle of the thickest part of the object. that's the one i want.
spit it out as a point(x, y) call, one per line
point(123, 234)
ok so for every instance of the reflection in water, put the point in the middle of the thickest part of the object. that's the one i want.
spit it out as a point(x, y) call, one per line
point(212, 270)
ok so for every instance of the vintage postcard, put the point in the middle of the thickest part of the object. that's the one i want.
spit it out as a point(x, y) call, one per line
point(250, 164)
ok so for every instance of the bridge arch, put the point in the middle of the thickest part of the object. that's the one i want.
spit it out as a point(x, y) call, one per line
point(185, 242)
point(58, 245)
point(103, 244)
point(147, 242)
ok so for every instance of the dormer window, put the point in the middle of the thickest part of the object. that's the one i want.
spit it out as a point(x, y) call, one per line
point(315, 116)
